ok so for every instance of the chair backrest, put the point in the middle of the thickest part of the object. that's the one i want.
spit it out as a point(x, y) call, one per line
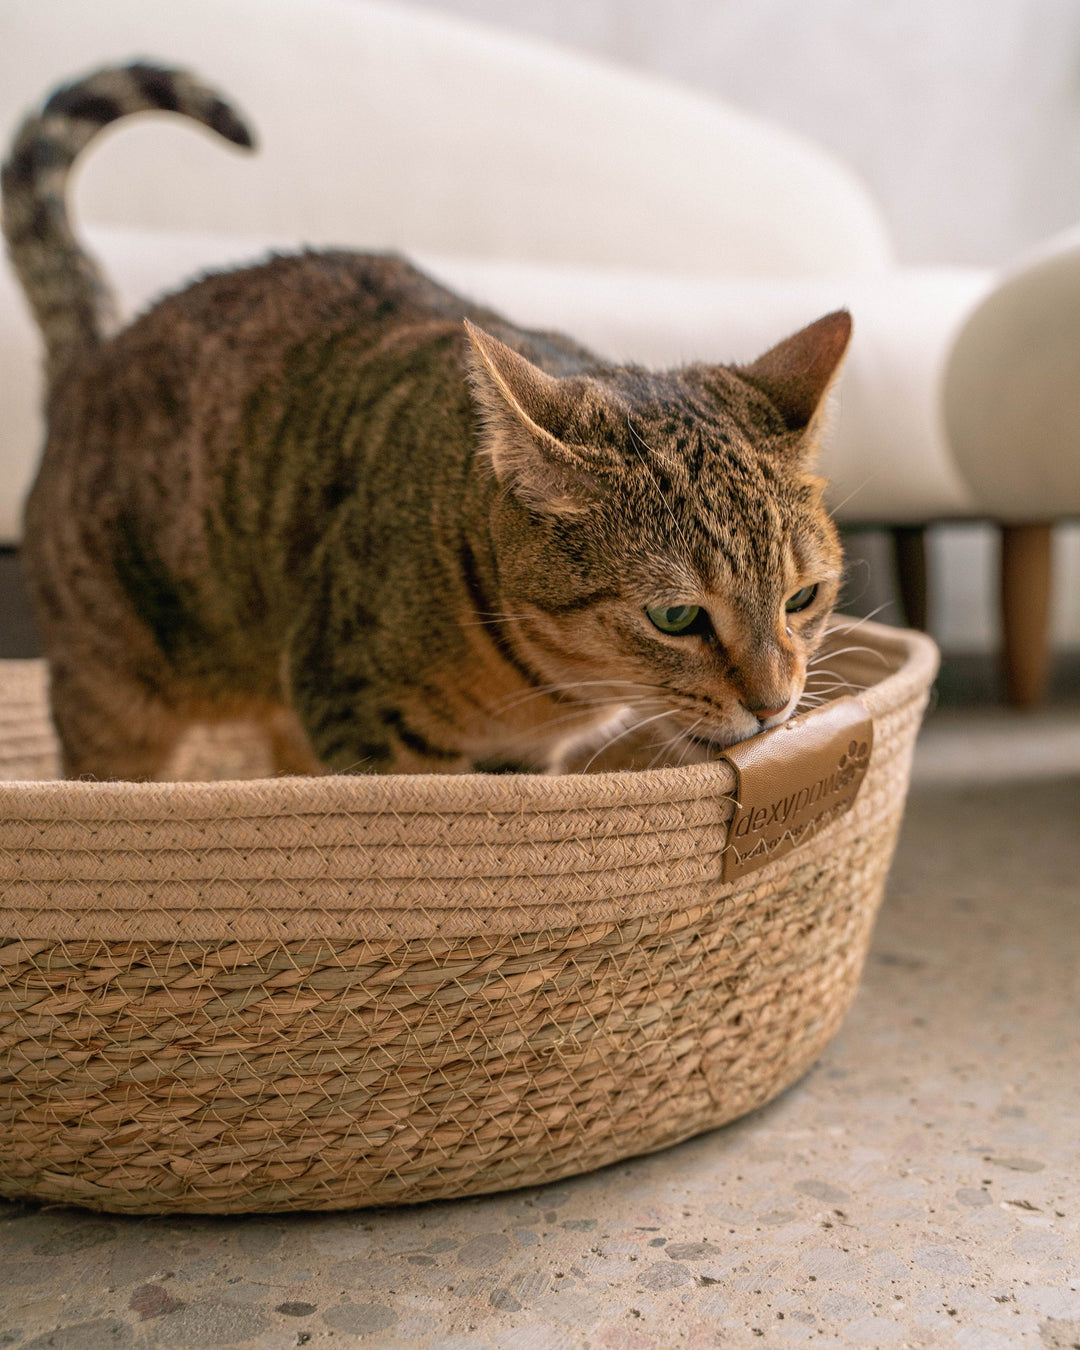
point(382, 125)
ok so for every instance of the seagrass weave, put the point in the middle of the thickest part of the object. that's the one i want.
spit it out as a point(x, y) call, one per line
point(329, 992)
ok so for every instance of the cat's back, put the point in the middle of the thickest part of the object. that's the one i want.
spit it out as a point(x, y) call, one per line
point(290, 294)
point(239, 414)
point(190, 364)
point(204, 396)
point(241, 323)
point(160, 406)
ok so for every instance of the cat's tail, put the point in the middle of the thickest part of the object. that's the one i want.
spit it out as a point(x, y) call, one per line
point(70, 299)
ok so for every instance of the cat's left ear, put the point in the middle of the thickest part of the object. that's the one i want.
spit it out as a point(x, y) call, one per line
point(797, 373)
point(523, 409)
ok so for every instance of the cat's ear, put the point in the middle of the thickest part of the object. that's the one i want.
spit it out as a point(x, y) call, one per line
point(797, 373)
point(518, 403)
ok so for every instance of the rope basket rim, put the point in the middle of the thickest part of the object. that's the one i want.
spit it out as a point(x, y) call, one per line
point(912, 658)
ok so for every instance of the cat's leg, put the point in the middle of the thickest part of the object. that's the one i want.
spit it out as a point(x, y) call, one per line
point(106, 671)
point(332, 699)
point(110, 726)
point(290, 749)
point(352, 725)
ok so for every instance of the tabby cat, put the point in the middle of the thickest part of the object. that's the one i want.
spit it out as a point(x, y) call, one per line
point(307, 494)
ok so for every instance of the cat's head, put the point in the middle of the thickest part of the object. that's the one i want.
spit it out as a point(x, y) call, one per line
point(661, 538)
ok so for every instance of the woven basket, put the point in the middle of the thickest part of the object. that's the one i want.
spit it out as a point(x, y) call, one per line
point(331, 992)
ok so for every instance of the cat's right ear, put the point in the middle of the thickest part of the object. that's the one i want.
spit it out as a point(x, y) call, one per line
point(518, 403)
point(797, 373)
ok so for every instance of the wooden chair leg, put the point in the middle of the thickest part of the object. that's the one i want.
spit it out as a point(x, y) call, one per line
point(1025, 611)
point(909, 550)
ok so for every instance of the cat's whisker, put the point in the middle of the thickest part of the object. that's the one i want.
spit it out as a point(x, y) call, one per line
point(847, 651)
point(818, 662)
point(831, 688)
point(356, 765)
point(578, 709)
point(835, 509)
point(827, 672)
point(634, 726)
point(686, 750)
point(663, 753)
point(674, 740)
point(544, 690)
point(529, 733)
point(665, 746)
point(815, 672)
point(583, 710)
point(831, 692)
point(664, 742)
point(845, 625)
point(855, 647)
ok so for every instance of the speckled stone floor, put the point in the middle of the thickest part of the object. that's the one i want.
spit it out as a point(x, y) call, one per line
point(920, 1187)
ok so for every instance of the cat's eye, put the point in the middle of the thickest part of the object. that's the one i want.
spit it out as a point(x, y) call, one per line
point(674, 618)
point(802, 599)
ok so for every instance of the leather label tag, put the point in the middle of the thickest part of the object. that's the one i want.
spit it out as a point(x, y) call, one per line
point(795, 780)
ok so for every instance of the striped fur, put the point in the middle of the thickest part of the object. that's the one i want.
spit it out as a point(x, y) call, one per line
point(69, 297)
point(304, 494)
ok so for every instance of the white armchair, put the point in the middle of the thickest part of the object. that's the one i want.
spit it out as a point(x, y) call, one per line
point(650, 222)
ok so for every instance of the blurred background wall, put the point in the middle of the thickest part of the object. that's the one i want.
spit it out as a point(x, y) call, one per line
point(963, 116)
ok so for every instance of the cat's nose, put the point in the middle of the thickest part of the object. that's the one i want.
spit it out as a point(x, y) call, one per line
point(763, 714)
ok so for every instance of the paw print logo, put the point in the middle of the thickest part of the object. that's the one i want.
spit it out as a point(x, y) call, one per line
point(854, 761)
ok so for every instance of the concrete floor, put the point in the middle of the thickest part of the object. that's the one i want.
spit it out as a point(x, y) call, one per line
point(920, 1187)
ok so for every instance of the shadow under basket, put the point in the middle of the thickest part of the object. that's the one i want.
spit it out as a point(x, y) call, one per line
point(321, 993)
